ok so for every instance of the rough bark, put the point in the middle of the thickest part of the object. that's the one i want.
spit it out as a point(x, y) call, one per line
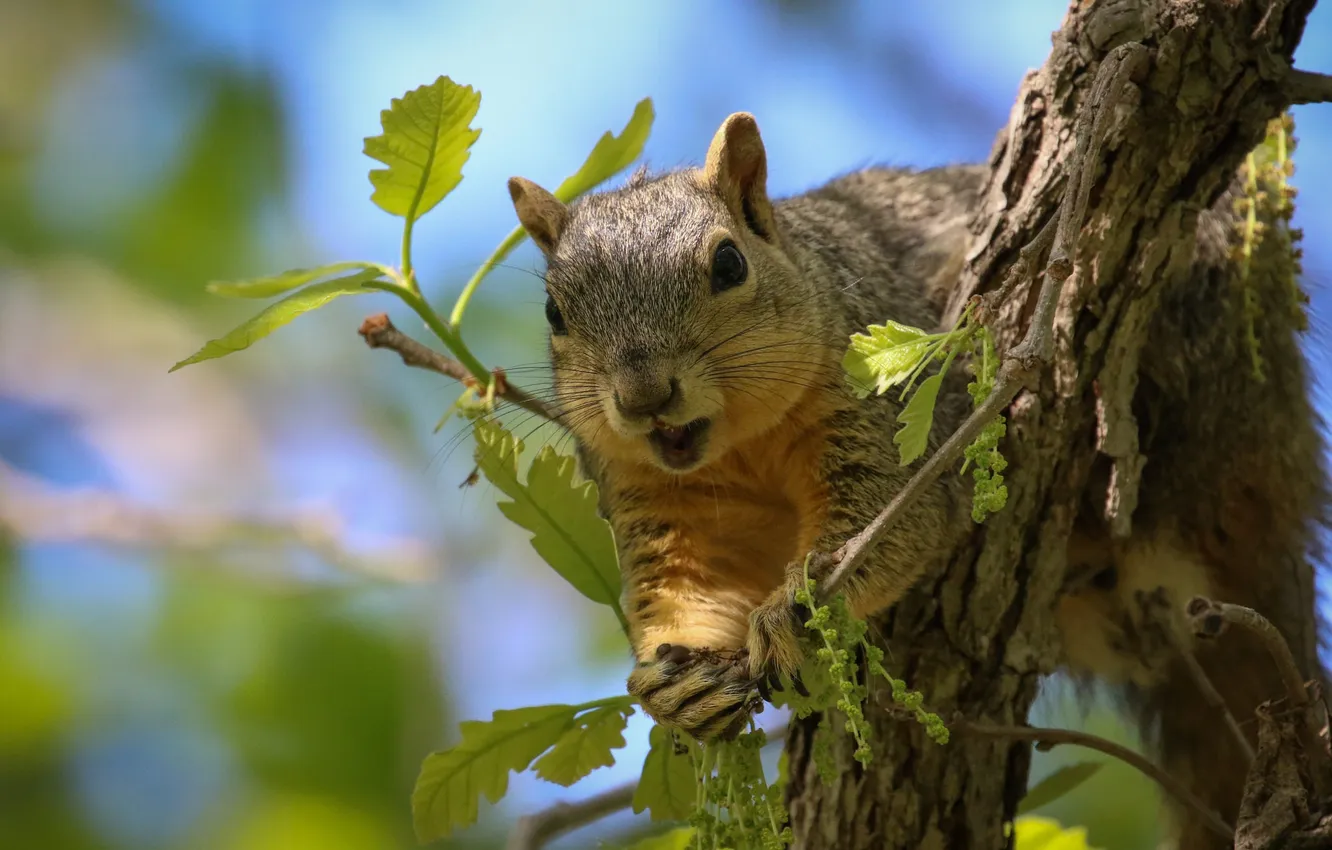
point(977, 639)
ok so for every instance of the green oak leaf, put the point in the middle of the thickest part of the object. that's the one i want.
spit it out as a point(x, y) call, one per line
point(1057, 784)
point(426, 141)
point(566, 529)
point(667, 784)
point(884, 356)
point(1034, 833)
point(267, 287)
point(590, 744)
point(279, 314)
point(916, 418)
point(611, 154)
point(450, 785)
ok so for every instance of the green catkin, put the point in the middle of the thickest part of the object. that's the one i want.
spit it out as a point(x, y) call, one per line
point(835, 684)
point(1264, 214)
point(739, 809)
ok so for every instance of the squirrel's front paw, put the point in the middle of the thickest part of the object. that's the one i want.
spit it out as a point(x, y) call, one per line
point(775, 628)
point(703, 693)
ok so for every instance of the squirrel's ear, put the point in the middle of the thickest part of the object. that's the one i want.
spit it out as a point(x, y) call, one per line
point(737, 169)
point(542, 214)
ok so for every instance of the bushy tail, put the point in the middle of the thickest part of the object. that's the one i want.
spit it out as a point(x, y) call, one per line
point(1233, 496)
point(1239, 466)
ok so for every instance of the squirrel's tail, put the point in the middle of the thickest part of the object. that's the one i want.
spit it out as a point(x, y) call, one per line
point(1232, 499)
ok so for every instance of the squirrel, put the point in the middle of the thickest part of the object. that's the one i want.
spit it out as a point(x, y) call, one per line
point(697, 330)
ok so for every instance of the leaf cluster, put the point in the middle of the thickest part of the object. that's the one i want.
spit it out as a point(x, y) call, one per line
point(892, 354)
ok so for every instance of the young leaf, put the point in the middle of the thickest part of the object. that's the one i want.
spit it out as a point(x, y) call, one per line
point(676, 839)
point(451, 782)
point(1044, 834)
point(611, 155)
point(267, 287)
point(1057, 784)
point(884, 356)
point(916, 419)
point(668, 783)
point(566, 529)
point(590, 744)
point(425, 143)
point(278, 314)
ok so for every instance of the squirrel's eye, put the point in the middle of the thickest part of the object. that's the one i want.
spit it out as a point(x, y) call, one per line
point(729, 269)
point(555, 318)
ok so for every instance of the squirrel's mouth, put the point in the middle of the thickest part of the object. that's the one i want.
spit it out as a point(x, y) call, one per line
point(679, 446)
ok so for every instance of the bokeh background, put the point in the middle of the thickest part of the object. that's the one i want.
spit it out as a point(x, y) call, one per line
point(239, 603)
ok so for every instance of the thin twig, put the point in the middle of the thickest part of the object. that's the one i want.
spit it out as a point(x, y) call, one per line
point(379, 332)
point(1012, 376)
point(1203, 613)
point(537, 830)
point(1308, 87)
point(1020, 363)
point(1209, 618)
point(1215, 700)
point(1048, 738)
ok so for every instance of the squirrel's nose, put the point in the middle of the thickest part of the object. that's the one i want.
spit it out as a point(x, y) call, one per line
point(645, 399)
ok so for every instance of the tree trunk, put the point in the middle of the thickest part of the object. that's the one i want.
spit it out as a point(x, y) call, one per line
point(977, 639)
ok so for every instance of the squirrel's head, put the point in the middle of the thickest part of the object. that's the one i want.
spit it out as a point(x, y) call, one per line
point(676, 328)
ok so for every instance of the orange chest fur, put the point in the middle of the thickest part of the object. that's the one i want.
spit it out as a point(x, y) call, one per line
point(738, 522)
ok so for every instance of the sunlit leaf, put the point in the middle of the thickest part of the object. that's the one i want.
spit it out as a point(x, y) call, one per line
point(425, 143)
point(1057, 784)
point(1033, 833)
point(566, 529)
point(267, 287)
point(667, 784)
point(611, 155)
point(916, 418)
point(590, 744)
point(676, 839)
point(279, 314)
point(451, 783)
point(885, 355)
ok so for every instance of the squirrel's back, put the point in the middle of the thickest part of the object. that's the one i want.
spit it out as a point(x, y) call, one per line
point(888, 242)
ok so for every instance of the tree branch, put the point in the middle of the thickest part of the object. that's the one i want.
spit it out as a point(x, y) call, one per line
point(37, 513)
point(1046, 739)
point(1214, 698)
point(1308, 87)
point(1020, 363)
point(536, 830)
point(1209, 619)
point(379, 332)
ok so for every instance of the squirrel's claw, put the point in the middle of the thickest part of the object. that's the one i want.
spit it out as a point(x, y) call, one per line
point(703, 697)
point(775, 628)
